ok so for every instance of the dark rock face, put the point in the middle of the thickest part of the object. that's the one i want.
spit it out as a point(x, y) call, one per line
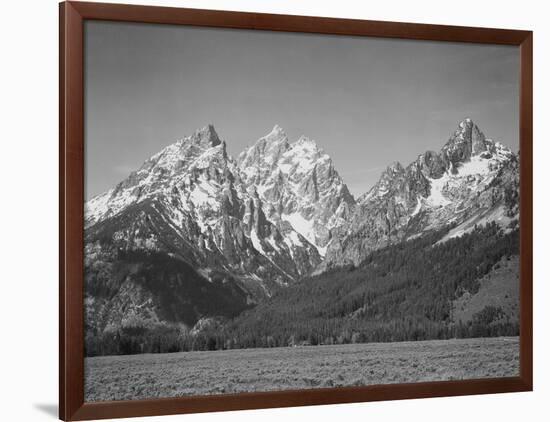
point(467, 141)
point(431, 164)
point(472, 180)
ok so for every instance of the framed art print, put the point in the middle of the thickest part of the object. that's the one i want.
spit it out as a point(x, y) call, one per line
point(267, 210)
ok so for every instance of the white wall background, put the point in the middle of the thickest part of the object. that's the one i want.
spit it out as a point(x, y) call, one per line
point(28, 208)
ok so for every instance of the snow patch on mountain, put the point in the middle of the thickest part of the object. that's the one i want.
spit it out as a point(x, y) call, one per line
point(301, 225)
point(476, 165)
point(417, 208)
point(437, 197)
point(256, 242)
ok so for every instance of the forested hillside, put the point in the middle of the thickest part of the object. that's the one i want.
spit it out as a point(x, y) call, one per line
point(402, 292)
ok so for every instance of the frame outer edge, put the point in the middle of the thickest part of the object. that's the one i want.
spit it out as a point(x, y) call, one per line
point(71, 197)
point(71, 188)
point(296, 23)
point(526, 211)
point(62, 368)
point(297, 398)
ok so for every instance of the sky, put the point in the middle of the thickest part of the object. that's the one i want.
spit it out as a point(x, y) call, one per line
point(366, 101)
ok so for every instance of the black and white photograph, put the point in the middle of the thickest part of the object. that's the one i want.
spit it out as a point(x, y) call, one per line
point(270, 211)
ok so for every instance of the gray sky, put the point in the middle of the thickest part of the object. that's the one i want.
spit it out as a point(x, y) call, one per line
point(366, 101)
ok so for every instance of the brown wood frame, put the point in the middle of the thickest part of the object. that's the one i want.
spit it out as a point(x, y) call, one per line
point(71, 204)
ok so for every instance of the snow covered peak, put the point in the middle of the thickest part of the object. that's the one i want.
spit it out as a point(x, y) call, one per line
point(297, 184)
point(277, 135)
point(467, 158)
point(258, 159)
point(174, 168)
point(273, 155)
point(195, 198)
point(277, 130)
point(275, 139)
point(195, 150)
point(471, 180)
point(304, 140)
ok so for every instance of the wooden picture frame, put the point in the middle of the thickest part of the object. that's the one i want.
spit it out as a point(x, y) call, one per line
point(71, 199)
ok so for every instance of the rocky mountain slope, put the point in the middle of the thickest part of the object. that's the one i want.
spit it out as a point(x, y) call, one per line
point(194, 235)
point(297, 183)
point(191, 203)
point(418, 289)
point(471, 180)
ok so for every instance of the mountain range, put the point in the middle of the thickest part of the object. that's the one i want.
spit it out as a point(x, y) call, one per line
point(194, 233)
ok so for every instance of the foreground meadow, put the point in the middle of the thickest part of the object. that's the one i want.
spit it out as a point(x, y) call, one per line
point(233, 371)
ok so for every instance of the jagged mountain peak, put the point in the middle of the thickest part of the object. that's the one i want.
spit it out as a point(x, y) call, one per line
point(467, 121)
point(467, 141)
point(276, 135)
point(270, 148)
point(390, 176)
point(277, 130)
point(182, 154)
point(394, 168)
point(267, 148)
point(471, 181)
point(297, 185)
point(466, 129)
point(206, 137)
point(184, 161)
point(194, 197)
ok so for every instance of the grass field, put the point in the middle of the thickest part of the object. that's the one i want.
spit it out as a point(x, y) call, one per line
point(233, 371)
